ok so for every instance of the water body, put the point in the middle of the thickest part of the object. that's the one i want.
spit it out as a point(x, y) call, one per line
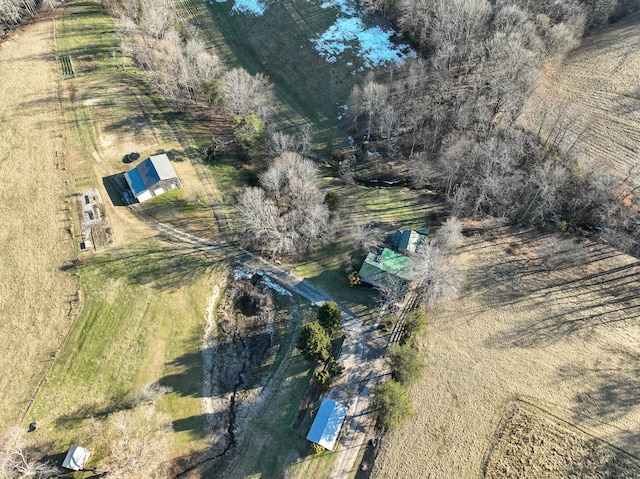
point(313, 51)
point(349, 32)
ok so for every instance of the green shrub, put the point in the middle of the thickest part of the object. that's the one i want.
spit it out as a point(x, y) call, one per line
point(415, 323)
point(332, 200)
point(316, 449)
point(322, 379)
point(406, 363)
point(561, 225)
point(354, 279)
point(248, 132)
point(391, 404)
point(336, 369)
point(314, 343)
point(329, 317)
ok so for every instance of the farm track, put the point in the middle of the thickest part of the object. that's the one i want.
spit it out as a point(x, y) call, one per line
point(362, 353)
point(594, 95)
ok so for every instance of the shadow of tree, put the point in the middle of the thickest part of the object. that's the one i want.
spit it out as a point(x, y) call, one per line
point(165, 265)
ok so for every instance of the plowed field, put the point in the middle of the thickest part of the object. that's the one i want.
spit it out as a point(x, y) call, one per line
point(594, 95)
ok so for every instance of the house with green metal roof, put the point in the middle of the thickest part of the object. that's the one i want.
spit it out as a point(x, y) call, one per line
point(377, 268)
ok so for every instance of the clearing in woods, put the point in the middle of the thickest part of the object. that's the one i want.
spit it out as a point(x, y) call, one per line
point(594, 96)
point(545, 318)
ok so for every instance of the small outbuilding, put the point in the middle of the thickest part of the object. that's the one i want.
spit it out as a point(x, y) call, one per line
point(327, 423)
point(153, 177)
point(76, 458)
point(409, 240)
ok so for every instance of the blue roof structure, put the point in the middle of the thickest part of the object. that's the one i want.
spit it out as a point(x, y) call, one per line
point(137, 184)
point(147, 170)
point(326, 426)
point(143, 178)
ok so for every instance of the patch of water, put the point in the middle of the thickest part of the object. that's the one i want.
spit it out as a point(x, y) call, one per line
point(373, 45)
point(349, 32)
point(251, 7)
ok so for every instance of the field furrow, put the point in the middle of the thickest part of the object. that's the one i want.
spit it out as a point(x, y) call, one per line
point(594, 96)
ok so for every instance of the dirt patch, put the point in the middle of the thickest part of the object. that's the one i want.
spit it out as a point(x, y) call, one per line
point(530, 443)
point(96, 232)
point(242, 350)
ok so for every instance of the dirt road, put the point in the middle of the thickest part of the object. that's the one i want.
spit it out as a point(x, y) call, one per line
point(362, 352)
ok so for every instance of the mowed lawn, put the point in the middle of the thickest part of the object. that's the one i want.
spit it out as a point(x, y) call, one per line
point(142, 313)
point(385, 209)
point(543, 317)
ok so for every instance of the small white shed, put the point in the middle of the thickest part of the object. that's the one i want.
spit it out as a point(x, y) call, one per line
point(76, 458)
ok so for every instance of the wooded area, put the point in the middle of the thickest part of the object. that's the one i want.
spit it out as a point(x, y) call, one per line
point(449, 119)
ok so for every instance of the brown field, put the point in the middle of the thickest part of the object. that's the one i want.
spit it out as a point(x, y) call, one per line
point(531, 443)
point(547, 319)
point(58, 138)
point(34, 233)
point(595, 96)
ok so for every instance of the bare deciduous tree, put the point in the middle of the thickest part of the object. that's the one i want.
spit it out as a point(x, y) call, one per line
point(364, 238)
point(138, 440)
point(245, 94)
point(17, 459)
point(392, 293)
point(448, 237)
point(287, 215)
point(435, 275)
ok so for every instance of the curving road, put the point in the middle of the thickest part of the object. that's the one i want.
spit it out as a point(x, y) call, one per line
point(362, 352)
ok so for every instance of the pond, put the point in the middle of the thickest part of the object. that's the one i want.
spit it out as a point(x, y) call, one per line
point(314, 51)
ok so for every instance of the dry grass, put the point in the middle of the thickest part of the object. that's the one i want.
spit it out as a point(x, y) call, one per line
point(531, 443)
point(595, 95)
point(59, 138)
point(545, 319)
point(34, 233)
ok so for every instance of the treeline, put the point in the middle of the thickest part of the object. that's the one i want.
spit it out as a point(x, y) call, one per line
point(450, 116)
point(181, 66)
point(14, 12)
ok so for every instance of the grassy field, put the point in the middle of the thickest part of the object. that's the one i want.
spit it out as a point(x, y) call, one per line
point(550, 320)
point(35, 240)
point(594, 96)
point(142, 315)
point(278, 45)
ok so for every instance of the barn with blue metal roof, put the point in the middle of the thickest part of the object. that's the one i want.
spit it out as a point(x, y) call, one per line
point(153, 177)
